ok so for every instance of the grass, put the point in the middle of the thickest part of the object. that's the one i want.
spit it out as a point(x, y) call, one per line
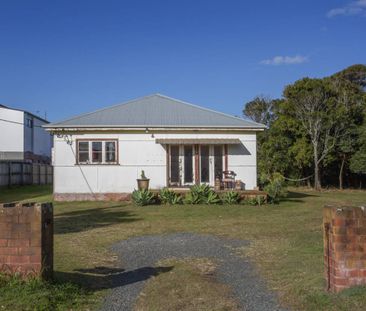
point(33, 294)
point(190, 286)
point(286, 242)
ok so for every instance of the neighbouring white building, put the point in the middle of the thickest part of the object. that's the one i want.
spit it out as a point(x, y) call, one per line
point(22, 137)
point(99, 155)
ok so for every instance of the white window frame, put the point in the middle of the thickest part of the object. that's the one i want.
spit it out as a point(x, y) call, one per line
point(90, 151)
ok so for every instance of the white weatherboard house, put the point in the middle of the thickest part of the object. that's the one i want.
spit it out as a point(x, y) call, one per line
point(99, 155)
point(22, 137)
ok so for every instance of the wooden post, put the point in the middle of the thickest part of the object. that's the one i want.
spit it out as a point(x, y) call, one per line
point(167, 165)
point(22, 173)
point(39, 174)
point(226, 158)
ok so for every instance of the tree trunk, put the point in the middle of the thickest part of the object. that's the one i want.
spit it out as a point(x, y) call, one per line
point(317, 183)
point(308, 183)
point(341, 172)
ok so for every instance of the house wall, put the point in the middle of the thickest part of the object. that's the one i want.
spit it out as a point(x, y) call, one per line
point(11, 134)
point(19, 141)
point(138, 151)
point(37, 140)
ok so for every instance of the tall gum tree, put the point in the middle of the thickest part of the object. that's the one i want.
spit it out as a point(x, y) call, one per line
point(313, 103)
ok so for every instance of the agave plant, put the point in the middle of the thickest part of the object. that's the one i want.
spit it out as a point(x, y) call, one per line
point(202, 194)
point(231, 197)
point(257, 200)
point(170, 197)
point(192, 198)
point(212, 198)
point(143, 197)
point(201, 190)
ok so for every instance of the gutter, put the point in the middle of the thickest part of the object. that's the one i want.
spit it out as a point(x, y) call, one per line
point(145, 129)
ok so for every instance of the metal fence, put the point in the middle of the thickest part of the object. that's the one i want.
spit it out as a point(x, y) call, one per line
point(21, 173)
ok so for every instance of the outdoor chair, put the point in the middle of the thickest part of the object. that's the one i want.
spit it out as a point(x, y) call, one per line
point(228, 179)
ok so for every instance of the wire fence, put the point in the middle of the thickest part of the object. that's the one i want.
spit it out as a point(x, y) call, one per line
point(22, 173)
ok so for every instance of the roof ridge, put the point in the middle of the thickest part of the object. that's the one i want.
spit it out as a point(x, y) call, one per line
point(207, 109)
point(105, 108)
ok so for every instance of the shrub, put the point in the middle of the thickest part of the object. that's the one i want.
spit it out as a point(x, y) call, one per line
point(257, 200)
point(143, 197)
point(170, 197)
point(251, 201)
point(275, 187)
point(231, 197)
point(202, 194)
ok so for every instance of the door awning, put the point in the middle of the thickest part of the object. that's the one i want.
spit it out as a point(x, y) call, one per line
point(197, 141)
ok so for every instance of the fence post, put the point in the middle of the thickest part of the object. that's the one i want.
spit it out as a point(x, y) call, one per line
point(21, 173)
point(9, 174)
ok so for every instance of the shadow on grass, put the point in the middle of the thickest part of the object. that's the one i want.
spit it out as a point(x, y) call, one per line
point(21, 193)
point(297, 196)
point(106, 278)
point(82, 220)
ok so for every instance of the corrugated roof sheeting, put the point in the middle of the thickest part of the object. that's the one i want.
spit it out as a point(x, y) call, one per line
point(156, 111)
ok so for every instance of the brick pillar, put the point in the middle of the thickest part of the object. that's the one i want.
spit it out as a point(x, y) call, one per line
point(26, 239)
point(344, 247)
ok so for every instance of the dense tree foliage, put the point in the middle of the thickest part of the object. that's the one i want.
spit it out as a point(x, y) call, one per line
point(316, 133)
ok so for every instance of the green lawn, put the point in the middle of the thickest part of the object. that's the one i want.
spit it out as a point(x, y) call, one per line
point(286, 244)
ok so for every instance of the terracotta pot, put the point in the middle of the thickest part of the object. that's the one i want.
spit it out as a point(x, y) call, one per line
point(143, 184)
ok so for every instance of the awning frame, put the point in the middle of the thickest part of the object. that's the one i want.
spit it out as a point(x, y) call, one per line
point(198, 141)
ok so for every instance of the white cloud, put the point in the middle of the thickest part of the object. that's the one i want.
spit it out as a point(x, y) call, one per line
point(352, 8)
point(285, 60)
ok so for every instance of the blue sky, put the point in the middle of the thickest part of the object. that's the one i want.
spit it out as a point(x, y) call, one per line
point(70, 57)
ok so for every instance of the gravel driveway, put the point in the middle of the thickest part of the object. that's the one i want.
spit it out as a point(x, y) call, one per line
point(139, 256)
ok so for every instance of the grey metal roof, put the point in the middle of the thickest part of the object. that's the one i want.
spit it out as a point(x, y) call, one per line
point(156, 111)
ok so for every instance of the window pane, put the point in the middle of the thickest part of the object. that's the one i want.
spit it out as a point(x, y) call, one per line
point(97, 146)
point(110, 151)
point(110, 146)
point(83, 152)
point(188, 164)
point(205, 164)
point(83, 157)
point(218, 161)
point(83, 146)
point(97, 151)
point(174, 164)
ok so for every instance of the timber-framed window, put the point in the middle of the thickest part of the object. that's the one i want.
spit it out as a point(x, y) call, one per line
point(97, 151)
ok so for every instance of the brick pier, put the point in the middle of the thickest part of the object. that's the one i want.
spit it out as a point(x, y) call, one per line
point(344, 247)
point(26, 239)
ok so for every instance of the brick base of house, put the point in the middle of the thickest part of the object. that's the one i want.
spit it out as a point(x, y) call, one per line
point(68, 197)
point(344, 247)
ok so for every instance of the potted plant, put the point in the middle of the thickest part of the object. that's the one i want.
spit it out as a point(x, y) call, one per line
point(143, 182)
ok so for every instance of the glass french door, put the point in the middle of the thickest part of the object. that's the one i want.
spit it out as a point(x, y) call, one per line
point(218, 161)
point(188, 164)
point(205, 164)
point(174, 166)
point(182, 166)
point(181, 170)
